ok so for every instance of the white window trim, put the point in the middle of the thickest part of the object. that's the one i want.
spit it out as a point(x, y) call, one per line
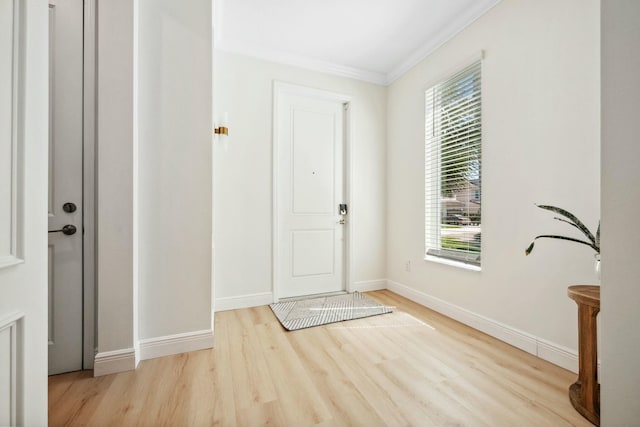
point(452, 263)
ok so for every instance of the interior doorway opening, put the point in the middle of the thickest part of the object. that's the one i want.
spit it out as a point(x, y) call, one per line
point(71, 194)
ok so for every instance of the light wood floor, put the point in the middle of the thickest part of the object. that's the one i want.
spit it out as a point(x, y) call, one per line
point(411, 367)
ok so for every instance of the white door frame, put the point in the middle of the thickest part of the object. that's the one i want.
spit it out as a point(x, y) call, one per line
point(279, 89)
point(89, 192)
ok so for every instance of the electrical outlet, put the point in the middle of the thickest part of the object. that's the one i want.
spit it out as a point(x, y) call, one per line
point(407, 266)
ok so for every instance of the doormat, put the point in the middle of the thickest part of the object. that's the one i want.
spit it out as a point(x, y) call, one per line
point(306, 313)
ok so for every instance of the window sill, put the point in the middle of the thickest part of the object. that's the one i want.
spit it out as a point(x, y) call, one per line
point(453, 263)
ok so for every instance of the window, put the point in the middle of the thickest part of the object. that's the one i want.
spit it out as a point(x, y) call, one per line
point(453, 179)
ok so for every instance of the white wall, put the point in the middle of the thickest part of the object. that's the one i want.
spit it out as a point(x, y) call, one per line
point(620, 378)
point(175, 133)
point(243, 174)
point(154, 179)
point(540, 145)
point(115, 175)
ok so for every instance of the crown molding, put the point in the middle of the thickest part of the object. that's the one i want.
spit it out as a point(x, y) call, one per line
point(437, 40)
point(440, 38)
point(303, 62)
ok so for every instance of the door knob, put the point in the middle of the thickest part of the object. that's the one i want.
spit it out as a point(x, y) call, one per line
point(69, 207)
point(66, 230)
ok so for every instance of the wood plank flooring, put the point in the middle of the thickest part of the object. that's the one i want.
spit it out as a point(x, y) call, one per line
point(411, 367)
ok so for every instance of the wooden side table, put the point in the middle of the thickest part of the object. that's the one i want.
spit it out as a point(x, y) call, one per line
point(585, 393)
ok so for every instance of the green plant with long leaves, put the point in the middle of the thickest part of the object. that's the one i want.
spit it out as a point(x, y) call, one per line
point(593, 241)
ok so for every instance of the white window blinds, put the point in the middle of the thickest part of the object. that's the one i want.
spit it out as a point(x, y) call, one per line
point(453, 179)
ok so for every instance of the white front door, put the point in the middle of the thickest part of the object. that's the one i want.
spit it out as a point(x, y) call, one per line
point(65, 186)
point(310, 189)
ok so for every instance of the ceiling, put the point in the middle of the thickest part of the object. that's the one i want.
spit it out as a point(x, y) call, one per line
point(371, 40)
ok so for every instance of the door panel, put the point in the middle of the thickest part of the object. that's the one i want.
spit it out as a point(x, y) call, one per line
point(23, 195)
point(310, 245)
point(8, 140)
point(313, 162)
point(65, 185)
point(313, 252)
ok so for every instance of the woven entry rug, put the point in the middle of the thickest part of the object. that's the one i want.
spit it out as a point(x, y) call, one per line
point(300, 314)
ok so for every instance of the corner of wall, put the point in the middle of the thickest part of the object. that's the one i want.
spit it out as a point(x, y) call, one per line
point(175, 344)
point(111, 362)
point(369, 285)
point(243, 301)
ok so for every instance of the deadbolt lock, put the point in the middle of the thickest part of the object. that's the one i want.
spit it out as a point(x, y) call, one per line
point(69, 207)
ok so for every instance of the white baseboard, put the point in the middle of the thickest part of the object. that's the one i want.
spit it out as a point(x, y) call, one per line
point(111, 362)
point(369, 285)
point(243, 301)
point(558, 355)
point(551, 352)
point(175, 344)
